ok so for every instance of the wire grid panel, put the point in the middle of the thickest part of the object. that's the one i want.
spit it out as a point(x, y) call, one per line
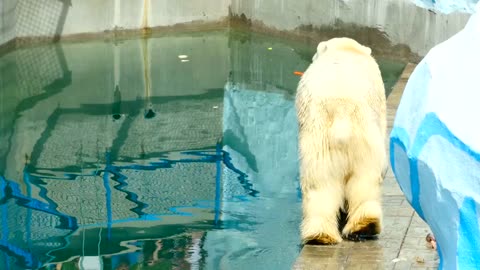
point(37, 68)
point(36, 18)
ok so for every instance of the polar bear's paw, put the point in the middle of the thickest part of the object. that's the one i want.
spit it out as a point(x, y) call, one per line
point(321, 230)
point(323, 239)
point(366, 228)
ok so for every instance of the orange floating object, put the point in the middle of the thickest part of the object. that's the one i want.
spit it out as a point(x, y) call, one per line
point(298, 73)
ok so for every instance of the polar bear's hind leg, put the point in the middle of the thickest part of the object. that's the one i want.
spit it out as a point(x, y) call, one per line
point(363, 195)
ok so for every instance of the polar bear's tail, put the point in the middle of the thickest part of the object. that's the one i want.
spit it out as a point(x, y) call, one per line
point(344, 119)
point(340, 131)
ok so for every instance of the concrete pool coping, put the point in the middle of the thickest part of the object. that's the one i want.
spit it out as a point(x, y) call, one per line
point(402, 243)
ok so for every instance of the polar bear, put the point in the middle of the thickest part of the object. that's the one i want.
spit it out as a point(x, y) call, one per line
point(341, 111)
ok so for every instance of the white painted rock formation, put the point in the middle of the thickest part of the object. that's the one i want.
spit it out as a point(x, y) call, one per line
point(435, 145)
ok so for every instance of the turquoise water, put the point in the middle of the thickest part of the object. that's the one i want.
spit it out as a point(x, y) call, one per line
point(122, 155)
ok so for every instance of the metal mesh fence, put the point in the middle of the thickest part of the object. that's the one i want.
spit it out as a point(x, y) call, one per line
point(37, 18)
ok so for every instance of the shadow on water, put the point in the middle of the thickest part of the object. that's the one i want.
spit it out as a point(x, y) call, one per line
point(200, 170)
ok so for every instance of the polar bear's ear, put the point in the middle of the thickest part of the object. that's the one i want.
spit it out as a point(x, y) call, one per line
point(321, 48)
point(353, 45)
point(359, 47)
point(366, 50)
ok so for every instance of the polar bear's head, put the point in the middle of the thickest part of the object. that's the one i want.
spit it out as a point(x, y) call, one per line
point(342, 43)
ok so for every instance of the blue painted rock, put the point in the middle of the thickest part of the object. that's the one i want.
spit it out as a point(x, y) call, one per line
point(435, 145)
point(448, 6)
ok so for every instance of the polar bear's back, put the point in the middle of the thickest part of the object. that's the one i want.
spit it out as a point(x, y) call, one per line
point(341, 100)
point(345, 74)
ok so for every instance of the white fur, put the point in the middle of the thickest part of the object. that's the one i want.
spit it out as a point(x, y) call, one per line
point(341, 109)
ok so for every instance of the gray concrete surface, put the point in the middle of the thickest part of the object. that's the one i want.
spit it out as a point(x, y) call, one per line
point(7, 20)
point(400, 21)
point(402, 244)
point(45, 17)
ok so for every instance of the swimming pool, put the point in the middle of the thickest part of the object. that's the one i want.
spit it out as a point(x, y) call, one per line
point(176, 151)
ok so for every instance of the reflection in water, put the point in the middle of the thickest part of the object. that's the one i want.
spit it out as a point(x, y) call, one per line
point(178, 252)
point(120, 155)
point(117, 104)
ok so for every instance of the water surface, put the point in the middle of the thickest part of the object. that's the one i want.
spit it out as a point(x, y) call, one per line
point(121, 154)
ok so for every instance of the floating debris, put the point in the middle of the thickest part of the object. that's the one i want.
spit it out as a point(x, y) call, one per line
point(185, 60)
point(270, 48)
point(298, 73)
point(183, 56)
point(215, 107)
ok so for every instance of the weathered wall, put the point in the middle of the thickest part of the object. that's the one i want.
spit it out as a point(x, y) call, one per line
point(7, 20)
point(62, 17)
point(53, 18)
point(66, 17)
point(400, 20)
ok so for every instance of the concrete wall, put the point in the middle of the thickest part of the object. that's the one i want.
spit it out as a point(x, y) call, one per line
point(7, 20)
point(49, 18)
point(55, 17)
point(66, 17)
point(400, 20)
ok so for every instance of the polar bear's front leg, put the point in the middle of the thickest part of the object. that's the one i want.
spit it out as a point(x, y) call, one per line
point(321, 206)
point(363, 196)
